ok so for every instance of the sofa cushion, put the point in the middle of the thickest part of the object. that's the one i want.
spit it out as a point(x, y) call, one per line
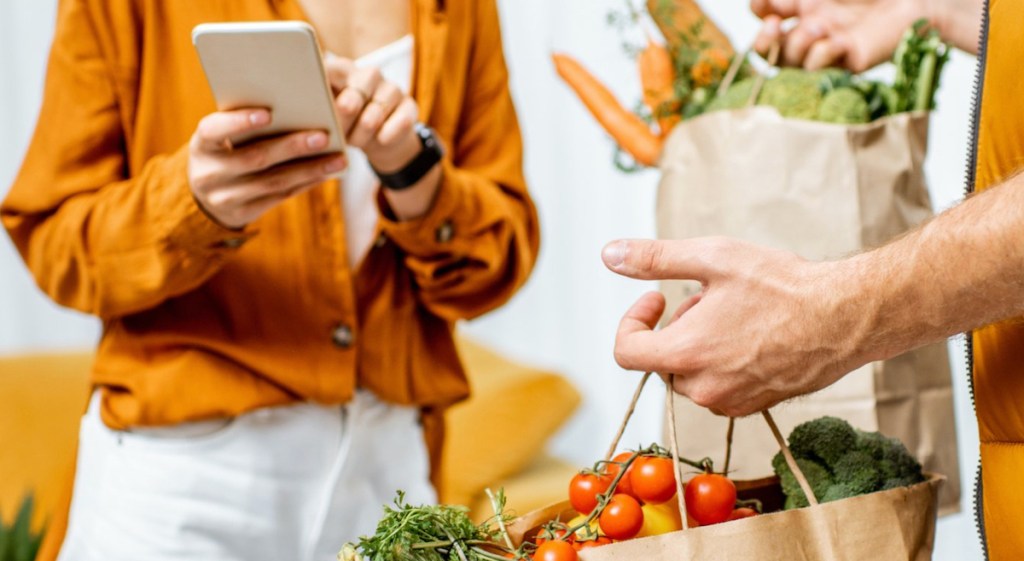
point(504, 426)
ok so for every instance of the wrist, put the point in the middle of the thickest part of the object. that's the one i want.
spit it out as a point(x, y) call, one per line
point(397, 157)
point(957, 21)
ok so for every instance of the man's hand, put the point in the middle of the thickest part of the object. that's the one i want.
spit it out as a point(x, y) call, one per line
point(858, 34)
point(767, 326)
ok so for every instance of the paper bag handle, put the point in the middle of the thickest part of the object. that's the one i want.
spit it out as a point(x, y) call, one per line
point(734, 68)
point(670, 414)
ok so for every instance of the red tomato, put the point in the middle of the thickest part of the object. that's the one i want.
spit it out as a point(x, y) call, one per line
point(652, 479)
point(584, 489)
point(612, 470)
point(710, 498)
point(622, 518)
point(555, 550)
point(742, 512)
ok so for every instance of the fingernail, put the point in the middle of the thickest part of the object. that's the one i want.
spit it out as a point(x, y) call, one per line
point(614, 254)
point(335, 165)
point(316, 140)
point(259, 118)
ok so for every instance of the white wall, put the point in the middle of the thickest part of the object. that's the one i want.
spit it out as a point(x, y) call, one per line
point(565, 318)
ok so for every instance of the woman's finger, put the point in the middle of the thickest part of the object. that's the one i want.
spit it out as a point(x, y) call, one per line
point(265, 154)
point(275, 181)
point(338, 71)
point(360, 89)
point(399, 124)
point(386, 98)
point(215, 131)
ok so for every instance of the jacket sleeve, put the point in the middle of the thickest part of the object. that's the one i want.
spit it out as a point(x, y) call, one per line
point(479, 241)
point(96, 237)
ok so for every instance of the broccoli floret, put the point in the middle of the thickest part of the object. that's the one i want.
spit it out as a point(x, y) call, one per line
point(825, 440)
point(858, 471)
point(897, 482)
point(893, 458)
point(818, 477)
point(833, 78)
point(735, 97)
point(839, 491)
point(794, 93)
point(844, 105)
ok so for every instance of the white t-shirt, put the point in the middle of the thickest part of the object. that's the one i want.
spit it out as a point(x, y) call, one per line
point(359, 183)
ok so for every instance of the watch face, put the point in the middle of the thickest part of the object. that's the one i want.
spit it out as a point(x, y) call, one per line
point(427, 137)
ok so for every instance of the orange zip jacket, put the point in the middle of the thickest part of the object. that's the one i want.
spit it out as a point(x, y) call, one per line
point(200, 321)
point(998, 350)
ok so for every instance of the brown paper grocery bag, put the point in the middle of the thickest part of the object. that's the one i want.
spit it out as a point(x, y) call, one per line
point(822, 191)
point(894, 525)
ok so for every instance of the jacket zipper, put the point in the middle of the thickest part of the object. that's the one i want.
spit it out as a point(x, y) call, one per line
point(972, 166)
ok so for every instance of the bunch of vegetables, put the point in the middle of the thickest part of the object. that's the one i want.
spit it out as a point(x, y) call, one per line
point(693, 72)
point(635, 494)
point(840, 462)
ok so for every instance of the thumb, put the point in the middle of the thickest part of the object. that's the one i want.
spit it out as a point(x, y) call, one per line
point(661, 259)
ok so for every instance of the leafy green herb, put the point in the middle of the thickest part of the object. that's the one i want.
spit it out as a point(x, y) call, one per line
point(432, 533)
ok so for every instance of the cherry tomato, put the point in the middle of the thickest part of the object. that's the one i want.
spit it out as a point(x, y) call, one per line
point(742, 512)
point(710, 498)
point(652, 479)
point(622, 518)
point(624, 486)
point(555, 550)
point(584, 489)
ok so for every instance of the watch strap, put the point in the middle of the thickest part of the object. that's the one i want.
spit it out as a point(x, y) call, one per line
point(413, 172)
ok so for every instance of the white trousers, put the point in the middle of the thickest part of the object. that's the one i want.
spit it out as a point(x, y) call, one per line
point(287, 483)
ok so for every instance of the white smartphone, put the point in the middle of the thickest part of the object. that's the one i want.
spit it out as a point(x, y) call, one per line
point(272, 64)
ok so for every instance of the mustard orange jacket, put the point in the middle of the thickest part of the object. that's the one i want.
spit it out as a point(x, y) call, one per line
point(998, 350)
point(200, 321)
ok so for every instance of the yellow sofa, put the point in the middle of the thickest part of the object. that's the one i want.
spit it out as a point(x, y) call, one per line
point(495, 439)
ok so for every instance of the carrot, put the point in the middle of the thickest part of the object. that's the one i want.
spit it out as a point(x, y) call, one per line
point(630, 131)
point(657, 78)
point(710, 67)
point(678, 19)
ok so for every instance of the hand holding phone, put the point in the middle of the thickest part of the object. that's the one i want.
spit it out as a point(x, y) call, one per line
point(276, 131)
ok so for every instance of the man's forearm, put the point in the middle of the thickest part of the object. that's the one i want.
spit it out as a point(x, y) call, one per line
point(958, 22)
point(962, 270)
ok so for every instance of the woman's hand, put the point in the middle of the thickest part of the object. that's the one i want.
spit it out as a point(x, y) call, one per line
point(379, 118)
point(375, 115)
point(235, 186)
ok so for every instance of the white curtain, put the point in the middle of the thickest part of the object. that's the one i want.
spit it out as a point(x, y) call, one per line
point(565, 318)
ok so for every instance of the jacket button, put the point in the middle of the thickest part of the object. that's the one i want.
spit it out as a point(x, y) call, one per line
point(445, 232)
point(342, 336)
point(233, 243)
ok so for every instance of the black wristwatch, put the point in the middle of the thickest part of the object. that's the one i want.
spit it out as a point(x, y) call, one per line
point(414, 171)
